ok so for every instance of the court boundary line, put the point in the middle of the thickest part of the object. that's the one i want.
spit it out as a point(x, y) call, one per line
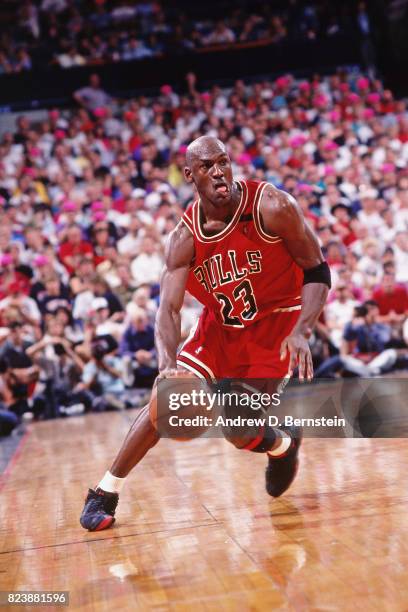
point(13, 459)
point(113, 537)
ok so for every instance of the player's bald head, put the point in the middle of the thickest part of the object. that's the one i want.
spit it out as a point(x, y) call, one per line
point(208, 166)
point(204, 147)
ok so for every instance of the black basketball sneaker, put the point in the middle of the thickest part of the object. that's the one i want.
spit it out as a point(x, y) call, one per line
point(99, 510)
point(281, 471)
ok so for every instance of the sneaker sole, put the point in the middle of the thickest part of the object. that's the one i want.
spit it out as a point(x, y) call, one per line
point(105, 524)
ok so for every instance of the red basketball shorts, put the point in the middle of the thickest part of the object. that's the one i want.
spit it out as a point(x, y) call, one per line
point(214, 351)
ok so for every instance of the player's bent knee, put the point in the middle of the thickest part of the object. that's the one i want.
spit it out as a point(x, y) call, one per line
point(182, 411)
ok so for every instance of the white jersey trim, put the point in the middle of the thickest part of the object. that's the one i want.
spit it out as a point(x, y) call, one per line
point(288, 309)
point(198, 362)
point(257, 217)
point(190, 369)
point(188, 224)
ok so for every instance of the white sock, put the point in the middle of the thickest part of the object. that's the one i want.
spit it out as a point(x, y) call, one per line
point(111, 483)
point(283, 446)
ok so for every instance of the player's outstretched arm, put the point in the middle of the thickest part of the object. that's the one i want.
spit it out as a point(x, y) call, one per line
point(283, 217)
point(178, 258)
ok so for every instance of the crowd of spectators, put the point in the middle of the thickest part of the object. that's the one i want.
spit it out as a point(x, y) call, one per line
point(70, 33)
point(88, 197)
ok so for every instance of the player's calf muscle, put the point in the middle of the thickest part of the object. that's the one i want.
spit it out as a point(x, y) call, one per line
point(141, 438)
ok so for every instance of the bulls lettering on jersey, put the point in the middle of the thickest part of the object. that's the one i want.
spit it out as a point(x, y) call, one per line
point(242, 274)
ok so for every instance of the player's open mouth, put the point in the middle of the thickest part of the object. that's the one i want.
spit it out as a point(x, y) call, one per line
point(221, 188)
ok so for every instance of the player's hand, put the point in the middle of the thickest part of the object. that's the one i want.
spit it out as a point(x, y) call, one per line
point(171, 373)
point(168, 373)
point(300, 355)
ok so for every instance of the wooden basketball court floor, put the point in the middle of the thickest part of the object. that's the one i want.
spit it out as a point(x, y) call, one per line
point(196, 531)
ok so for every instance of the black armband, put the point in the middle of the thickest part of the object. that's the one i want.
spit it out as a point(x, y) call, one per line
point(318, 274)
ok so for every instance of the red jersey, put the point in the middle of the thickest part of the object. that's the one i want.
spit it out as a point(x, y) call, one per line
point(396, 299)
point(74, 250)
point(242, 274)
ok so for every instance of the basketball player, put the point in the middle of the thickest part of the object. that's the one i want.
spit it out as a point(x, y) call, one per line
point(244, 250)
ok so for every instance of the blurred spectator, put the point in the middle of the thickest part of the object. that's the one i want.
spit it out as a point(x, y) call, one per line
point(72, 58)
point(29, 18)
point(104, 322)
point(138, 345)
point(365, 334)
point(130, 243)
point(369, 263)
point(123, 284)
point(147, 266)
point(103, 375)
point(369, 214)
point(338, 313)
point(53, 6)
point(392, 299)
point(220, 35)
point(92, 96)
point(101, 289)
point(141, 300)
point(54, 296)
point(18, 374)
point(135, 49)
point(60, 370)
point(24, 306)
point(365, 30)
point(14, 347)
point(364, 352)
point(74, 248)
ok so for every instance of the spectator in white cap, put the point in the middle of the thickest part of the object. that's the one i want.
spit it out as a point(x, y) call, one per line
point(105, 325)
point(370, 262)
point(130, 243)
point(369, 214)
point(147, 266)
point(141, 299)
